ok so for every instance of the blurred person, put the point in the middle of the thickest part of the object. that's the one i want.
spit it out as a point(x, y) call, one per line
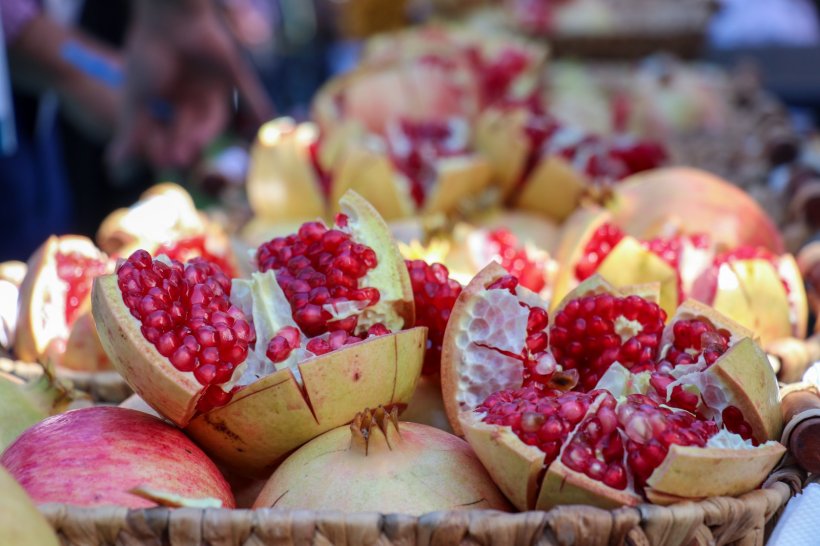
point(743, 23)
point(46, 58)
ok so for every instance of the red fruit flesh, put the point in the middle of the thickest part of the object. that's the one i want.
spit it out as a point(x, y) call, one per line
point(514, 258)
point(592, 332)
point(78, 273)
point(186, 313)
point(414, 149)
point(497, 75)
point(651, 429)
point(598, 247)
point(322, 174)
point(541, 419)
point(317, 267)
point(185, 250)
point(434, 293)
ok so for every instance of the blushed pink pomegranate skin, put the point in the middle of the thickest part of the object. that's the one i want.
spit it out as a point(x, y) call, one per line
point(94, 456)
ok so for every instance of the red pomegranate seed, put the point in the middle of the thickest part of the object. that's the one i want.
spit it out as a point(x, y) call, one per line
point(598, 247)
point(530, 271)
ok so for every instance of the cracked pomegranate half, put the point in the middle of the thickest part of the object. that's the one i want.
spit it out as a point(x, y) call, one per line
point(54, 300)
point(165, 221)
point(534, 155)
point(256, 367)
point(602, 402)
point(382, 465)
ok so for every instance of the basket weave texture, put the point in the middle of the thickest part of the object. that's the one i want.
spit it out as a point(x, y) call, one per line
point(739, 521)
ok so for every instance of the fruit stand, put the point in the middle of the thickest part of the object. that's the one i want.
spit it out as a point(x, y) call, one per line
point(480, 296)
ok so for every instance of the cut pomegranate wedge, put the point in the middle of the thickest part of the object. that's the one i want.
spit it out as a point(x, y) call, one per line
point(256, 367)
point(54, 296)
point(165, 221)
point(534, 155)
point(602, 403)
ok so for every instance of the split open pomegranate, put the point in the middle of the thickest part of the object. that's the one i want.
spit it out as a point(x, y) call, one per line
point(255, 367)
point(533, 154)
point(603, 402)
point(54, 296)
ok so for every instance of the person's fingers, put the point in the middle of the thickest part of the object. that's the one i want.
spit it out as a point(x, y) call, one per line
point(201, 115)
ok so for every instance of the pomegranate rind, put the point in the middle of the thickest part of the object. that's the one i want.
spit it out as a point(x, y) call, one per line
point(274, 415)
point(631, 263)
point(694, 472)
point(281, 183)
point(499, 136)
point(37, 327)
point(645, 203)
point(172, 393)
point(554, 189)
point(455, 370)
point(390, 275)
point(514, 466)
point(83, 350)
point(576, 233)
point(458, 179)
point(790, 273)
point(751, 292)
point(371, 174)
point(426, 406)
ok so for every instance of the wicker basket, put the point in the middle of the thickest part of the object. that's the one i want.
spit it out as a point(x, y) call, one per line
point(746, 521)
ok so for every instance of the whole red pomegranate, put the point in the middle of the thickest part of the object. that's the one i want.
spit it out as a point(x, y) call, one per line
point(255, 367)
point(96, 456)
point(603, 402)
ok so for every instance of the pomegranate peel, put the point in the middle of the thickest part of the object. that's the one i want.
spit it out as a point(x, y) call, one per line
point(696, 472)
point(52, 295)
point(376, 462)
point(458, 178)
point(645, 202)
point(499, 136)
point(281, 181)
point(83, 350)
point(553, 176)
point(513, 465)
point(173, 393)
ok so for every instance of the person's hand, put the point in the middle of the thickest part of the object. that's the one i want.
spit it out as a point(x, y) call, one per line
point(182, 67)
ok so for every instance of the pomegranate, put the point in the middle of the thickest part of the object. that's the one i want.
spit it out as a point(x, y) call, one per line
point(11, 276)
point(758, 289)
point(85, 457)
point(533, 155)
point(602, 398)
point(165, 221)
point(54, 297)
point(375, 462)
point(256, 367)
point(21, 523)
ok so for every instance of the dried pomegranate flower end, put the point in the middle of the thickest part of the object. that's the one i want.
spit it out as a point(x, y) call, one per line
point(435, 294)
point(319, 268)
point(592, 332)
point(186, 313)
point(539, 418)
point(531, 272)
point(598, 247)
point(77, 271)
point(189, 248)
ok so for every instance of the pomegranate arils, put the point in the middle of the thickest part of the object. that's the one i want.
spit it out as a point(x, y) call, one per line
point(185, 312)
point(316, 265)
point(77, 272)
point(185, 250)
point(530, 271)
point(592, 332)
point(734, 421)
point(694, 338)
point(434, 293)
point(601, 243)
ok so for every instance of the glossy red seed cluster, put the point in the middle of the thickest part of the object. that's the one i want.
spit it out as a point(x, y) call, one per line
point(283, 343)
point(434, 293)
point(186, 313)
point(651, 429)
point(531, 272)
point(319, 267)
point(339, 338)
point(77, 272)
point(734, 421)
point(584, 335)
point(597, 448)
point(189, 248)
point(540, 418)
point(497, 74)
point(598, 247)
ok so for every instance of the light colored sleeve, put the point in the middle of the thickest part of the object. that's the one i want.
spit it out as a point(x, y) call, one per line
point(15, 15)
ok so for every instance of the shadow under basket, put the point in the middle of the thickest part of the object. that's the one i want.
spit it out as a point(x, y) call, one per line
point(746, 521)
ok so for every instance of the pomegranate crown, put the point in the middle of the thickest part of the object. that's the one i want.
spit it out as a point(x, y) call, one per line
point(375, 430)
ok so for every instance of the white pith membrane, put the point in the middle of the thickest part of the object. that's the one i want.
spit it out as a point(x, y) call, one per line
point(492, 316)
